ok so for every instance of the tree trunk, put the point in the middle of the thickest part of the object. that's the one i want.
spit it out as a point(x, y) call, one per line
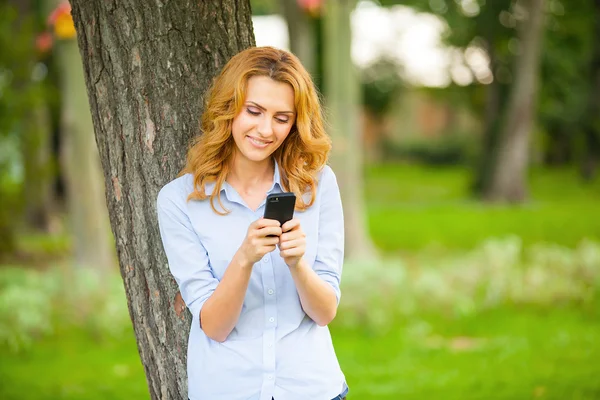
point(147, 66)
point(510, 168)
point(342, 95)
point(301, 30)
point(38, 168)
point(591, 158)
point(495, 100)
point(88, 215)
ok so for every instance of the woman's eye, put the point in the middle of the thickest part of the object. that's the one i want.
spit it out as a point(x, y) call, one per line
point(281, 121)
point(252, 112)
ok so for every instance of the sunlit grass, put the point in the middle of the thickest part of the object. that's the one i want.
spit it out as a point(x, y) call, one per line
point(411, 208)
point(72, 364)
point(507, 353)
point(485, 302)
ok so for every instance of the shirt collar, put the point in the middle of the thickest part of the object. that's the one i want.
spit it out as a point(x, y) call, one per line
point(230, 192)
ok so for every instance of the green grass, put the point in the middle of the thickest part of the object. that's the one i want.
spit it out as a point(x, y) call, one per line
point(412, 208)
point(71, 365)
point(508, 352)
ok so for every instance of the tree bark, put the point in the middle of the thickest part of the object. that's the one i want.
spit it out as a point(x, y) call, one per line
point(342, 94)
point(510, 168)
point(147, 66)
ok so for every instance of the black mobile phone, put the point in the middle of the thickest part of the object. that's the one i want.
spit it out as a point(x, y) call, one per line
point(280, 206)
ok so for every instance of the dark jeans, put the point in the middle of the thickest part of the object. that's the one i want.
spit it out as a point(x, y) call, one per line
point(335, 398)
point(338, 397)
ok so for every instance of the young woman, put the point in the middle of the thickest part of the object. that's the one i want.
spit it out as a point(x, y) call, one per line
point(260, 303)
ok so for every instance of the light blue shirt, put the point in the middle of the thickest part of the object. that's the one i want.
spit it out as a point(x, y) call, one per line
point(275, 349)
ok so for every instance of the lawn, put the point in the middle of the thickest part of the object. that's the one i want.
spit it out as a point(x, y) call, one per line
point(412, 208)
point(505, 351)
point(508, 353)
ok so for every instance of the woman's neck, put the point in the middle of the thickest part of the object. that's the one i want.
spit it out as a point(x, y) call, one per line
point(245, 175)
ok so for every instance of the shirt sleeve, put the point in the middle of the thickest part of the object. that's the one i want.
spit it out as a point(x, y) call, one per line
point(330, 248)
point(187, 257)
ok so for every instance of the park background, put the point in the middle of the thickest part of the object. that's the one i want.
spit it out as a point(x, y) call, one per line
point(473, 267)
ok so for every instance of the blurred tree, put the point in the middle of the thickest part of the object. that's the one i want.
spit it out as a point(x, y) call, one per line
point(22, 151)
point(502, 28)
point(509, 171)
point(320, 36)
point(302, 28)
point(566, 111)
point(490, 26)
point(147, 66)
point(381, 86)
point(36, 144)
point(342, 96)
point(87, 211)
point(265, 7)
point(565, 80)
point(591, 158)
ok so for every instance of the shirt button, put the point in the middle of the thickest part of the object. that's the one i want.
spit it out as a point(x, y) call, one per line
point(270, 345)
point(265, 260)
point(271, 319)
point(270, 377)
point(271, 291)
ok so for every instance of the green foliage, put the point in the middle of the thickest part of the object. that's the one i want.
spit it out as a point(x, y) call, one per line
point(451, 149)
point(33, 303)
point(381, 86)
point(265, 7)
point(499, 273)
point(565, 88)
point(25, 306)
point(566, 96)
point(20, 91)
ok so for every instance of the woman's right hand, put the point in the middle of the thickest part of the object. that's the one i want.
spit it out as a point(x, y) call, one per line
point(257, 243)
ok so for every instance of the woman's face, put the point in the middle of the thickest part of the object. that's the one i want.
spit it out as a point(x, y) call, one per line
point(266, 119)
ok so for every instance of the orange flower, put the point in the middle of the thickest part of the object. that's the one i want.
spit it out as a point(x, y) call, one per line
point(62, 21)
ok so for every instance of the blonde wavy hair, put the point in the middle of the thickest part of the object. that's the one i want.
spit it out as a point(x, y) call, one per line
point(302, 154)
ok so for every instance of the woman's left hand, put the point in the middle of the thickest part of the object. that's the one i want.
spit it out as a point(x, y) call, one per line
point(292, 242)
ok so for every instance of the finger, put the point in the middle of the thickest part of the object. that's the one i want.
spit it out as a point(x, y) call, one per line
point(268, 249)
point(295, 252)
point(291, 224)
point(268, 241)
point(291, 244)
point(292, 235)
point(269, 230)
point(265, 222)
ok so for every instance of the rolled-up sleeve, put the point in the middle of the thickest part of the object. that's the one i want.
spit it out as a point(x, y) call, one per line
point(330, 249)
point(187, 257)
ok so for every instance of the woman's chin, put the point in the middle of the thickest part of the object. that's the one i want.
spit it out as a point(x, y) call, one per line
point(256, 155)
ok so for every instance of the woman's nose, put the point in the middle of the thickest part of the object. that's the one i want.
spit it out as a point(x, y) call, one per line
point(265, 127)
